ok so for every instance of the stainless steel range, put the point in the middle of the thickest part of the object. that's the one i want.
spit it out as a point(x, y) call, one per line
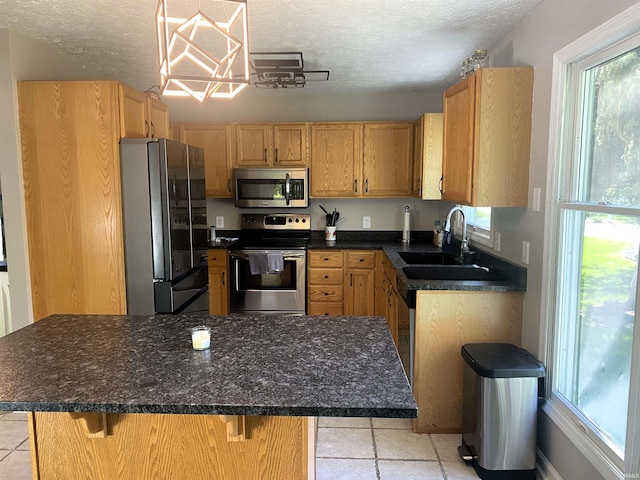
point(268, 265)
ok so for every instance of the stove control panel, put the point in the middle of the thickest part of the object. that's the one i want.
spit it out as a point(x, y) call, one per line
point(275, 221)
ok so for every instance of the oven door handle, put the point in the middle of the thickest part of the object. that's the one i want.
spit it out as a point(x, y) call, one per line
point(245, 256)
point(287, 189)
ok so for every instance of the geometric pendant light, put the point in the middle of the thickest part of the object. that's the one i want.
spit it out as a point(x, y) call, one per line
point(203, 53)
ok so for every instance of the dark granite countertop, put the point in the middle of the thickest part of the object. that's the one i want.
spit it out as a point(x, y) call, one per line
point(515, 276)
point(257, 365)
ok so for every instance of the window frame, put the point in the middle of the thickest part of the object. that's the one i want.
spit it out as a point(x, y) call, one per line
point(568, 63)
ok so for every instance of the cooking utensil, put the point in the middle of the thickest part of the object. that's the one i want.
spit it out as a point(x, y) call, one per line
point(324, 210)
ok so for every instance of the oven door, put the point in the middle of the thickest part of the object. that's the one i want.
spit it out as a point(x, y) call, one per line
point(270, 293)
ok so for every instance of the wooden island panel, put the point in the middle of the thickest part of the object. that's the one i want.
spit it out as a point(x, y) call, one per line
point(169, 446)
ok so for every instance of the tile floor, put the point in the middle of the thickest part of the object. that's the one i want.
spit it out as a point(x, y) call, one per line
point(385, 449)
point(15, 460)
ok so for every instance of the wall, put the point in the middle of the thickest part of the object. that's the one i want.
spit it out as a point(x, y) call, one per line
point(551, 26)
point(23, 59)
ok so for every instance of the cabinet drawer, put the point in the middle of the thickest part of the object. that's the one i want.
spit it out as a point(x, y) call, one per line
point(325, 308)
point(326, 258)
point(329, 293)
point(325, 276)
point(358, 259)
point(217, 258)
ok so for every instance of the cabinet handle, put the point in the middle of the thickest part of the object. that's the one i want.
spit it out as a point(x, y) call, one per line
point(326, 293)
point(351, 280)
point(276, 155)
point(265, 155)
point(229, 185)
point(153, 130)
point(418, 187)
point(146, 128)
point(355, 185)
point(361, 260)
point(440, 184)
point(326, 276)
point(366, 186)
point(223, 282)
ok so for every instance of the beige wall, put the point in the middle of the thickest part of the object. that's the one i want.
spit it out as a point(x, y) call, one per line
point(550, 27)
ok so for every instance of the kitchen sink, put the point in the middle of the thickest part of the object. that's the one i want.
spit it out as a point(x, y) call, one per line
point(429, 258)
point(452, 272)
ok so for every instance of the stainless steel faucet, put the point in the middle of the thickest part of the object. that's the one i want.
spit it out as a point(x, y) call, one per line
point(464, 247)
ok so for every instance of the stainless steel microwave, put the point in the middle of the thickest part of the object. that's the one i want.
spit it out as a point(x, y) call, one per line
point(272, 187)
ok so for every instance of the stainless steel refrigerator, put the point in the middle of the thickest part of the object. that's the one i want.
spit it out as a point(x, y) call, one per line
point(165, 226)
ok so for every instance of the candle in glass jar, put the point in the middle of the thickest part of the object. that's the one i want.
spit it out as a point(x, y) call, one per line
point(201, 337)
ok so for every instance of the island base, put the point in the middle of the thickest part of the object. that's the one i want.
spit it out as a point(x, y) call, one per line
point(164, 446)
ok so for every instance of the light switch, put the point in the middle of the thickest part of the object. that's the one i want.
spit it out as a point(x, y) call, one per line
point(219, 221)
point(366, 222)
point(536, 199)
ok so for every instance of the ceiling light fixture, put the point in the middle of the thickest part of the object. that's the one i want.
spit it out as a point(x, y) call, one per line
point(282, 70)
point(203, 54)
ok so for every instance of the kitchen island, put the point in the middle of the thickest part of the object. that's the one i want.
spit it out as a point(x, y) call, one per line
point(128, 397)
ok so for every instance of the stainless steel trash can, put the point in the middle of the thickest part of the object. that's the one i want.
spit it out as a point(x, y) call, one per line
point(501, 387)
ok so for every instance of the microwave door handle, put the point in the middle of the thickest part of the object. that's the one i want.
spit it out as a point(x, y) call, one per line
point(287, 189)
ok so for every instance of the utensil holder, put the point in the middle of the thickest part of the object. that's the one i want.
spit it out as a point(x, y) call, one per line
point(330, 234)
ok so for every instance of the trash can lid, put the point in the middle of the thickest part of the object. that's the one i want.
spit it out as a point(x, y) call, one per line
point(501, 360)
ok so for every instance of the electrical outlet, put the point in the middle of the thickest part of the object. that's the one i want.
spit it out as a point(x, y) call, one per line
point(366, 222)
point(496, 241)
point(525, 252)
point(219, 221)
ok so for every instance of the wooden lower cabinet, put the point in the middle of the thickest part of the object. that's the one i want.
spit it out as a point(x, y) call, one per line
point(341, 282)
point(359, 282)
point(325, 282)
point(218, 282)
point(446, 320)
point(162, 446)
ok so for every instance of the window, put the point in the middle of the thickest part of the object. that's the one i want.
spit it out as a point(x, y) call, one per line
point(597, 223)
point(478, 224)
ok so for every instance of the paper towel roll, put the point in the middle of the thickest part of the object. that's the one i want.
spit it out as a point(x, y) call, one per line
point(407, 223)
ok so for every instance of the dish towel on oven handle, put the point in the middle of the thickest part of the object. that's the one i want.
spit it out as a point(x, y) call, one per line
point(265, 262)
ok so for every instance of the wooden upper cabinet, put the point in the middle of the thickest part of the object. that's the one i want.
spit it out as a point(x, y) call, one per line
point(272, 145)
point(487, 138)
point(158, 115)
point(69, 133)
point(141, 115)
point(217, 141)
point(336, 159)
point(388, 159)
point(428, 156)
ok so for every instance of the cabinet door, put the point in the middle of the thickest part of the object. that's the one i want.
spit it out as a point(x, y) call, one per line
point(218, 282)
point(158, 118)
point(457, 163)
point(217, 141)
point(359, 292)
point(70, 162)
point(133, 113)
point(253, 145)
point(388, 159)
point(359, 282)
point(291, 145)
point(336, 160)
point(428, 165)
point(391, 312)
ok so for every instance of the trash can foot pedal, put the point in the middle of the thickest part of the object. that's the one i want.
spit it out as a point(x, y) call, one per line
point(465, 454)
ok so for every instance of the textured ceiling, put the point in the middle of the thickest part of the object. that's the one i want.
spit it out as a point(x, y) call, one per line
point(368, 46)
